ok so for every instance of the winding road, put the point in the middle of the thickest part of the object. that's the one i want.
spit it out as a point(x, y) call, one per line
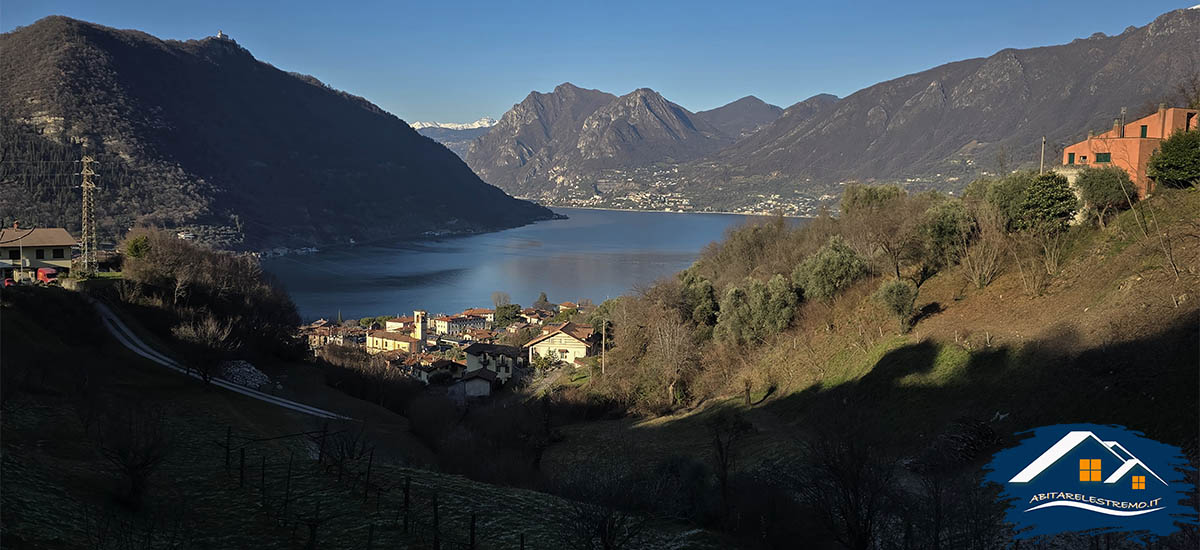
point(136, 345)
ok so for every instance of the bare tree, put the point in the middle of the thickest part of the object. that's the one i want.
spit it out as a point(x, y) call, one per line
point(979, 252)
point(605, 510)
point(671, 349)
point(346, 444)
point(847, 486)
point(212, 340)
point(726, 431)
point(500, 298)
point(134, 441)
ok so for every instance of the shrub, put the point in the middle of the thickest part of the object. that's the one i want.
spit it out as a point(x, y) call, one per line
point(1007, 195)
point(1105, 189)
point(830, 271)
point(137, 247)
point(898, 298)
point(1048, 204)
point(1176, 163)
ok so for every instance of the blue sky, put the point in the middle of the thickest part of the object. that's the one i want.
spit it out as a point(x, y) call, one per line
point(455, 61)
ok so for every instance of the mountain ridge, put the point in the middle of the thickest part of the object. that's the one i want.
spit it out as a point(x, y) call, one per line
point(938, 128)
point(208, 137)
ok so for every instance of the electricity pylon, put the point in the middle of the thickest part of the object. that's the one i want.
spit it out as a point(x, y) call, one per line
point(88, 239)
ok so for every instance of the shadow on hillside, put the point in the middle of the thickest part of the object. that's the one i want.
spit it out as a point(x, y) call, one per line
point(1149, 384)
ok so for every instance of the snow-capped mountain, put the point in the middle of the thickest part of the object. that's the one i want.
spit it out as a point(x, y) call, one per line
point(485, 122)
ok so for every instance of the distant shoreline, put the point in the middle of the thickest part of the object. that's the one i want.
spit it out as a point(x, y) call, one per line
point(724, 213)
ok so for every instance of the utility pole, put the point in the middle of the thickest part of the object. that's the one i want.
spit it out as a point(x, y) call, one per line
point(603, 343)
point(1042, 166)
point(88, 238)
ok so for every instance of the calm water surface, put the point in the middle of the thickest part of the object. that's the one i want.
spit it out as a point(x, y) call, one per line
point(595, 254)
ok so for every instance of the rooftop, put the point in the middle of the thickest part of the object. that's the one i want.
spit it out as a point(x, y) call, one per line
point(42, 236)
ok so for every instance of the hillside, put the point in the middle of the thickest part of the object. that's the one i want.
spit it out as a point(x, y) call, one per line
point(748, 354)
point(201, 135)
point(742, 117)
point(61, 492)
point(946, 125)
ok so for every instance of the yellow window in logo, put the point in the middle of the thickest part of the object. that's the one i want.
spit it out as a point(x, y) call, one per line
point(1139, 482)
point(1089, 469)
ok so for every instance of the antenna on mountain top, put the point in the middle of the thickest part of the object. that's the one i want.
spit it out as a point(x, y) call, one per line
point(88, 237)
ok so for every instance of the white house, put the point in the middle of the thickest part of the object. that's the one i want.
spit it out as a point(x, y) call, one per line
point(566, 342)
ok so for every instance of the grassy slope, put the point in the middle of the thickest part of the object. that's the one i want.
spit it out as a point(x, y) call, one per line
point(1106, 343)
point(53, 476)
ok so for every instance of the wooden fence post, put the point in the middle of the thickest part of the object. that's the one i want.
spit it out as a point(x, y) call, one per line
point(437, 541)
point(407, 479)
point(262, 481)
point(522, 541)
point(367, 485)
point(287, 488)
point(321, 449)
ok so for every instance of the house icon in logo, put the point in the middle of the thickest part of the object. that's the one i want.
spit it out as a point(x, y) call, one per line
point(1099, 461)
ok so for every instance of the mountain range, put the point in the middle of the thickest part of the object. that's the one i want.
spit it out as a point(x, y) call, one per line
point(201, 135)
point(938, 128)
point(570, 137)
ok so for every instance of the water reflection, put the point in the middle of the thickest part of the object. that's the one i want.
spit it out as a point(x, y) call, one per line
point(595, 254)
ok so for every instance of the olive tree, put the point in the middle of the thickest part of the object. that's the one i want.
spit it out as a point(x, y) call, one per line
point(898, 298)
point(830, 271)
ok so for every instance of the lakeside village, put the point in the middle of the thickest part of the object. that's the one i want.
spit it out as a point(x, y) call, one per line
point(472, 353)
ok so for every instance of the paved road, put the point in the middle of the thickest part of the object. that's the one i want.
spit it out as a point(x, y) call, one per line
point(136, 345)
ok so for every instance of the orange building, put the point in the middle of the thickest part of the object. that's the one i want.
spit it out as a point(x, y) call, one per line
point(1130, 146)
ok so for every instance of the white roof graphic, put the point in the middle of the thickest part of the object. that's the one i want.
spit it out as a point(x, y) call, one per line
point(1068, 443)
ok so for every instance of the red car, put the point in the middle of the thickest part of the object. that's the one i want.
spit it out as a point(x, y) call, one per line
point(8, 281)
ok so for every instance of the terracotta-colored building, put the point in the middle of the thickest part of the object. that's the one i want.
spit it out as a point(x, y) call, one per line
point(1130, 146)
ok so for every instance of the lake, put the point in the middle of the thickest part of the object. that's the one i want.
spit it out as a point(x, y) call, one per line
point(595, 254)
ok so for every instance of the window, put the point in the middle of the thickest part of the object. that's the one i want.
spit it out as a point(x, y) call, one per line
point(1083, 159)
point(1103, 157)
point(14, 254)
point(1143, 130)
point(58, 253)
point(1070, 158)
point(41, 254)
point(1139, 482)
point(1089, 469)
